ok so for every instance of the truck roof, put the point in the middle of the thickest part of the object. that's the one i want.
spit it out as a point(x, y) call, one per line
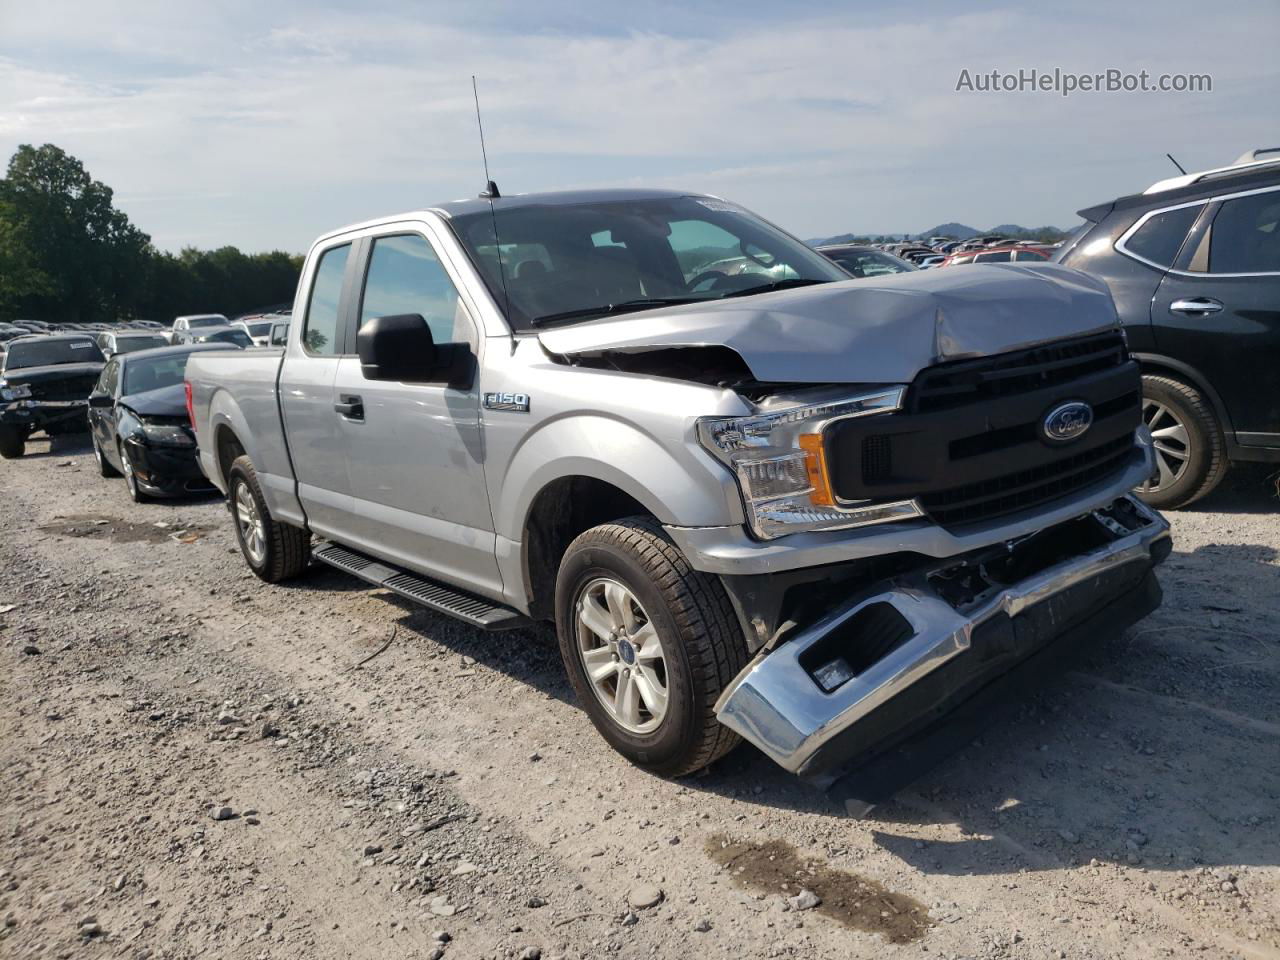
point(459, 208)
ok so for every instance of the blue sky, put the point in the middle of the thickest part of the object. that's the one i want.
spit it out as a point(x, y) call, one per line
point(263, 124)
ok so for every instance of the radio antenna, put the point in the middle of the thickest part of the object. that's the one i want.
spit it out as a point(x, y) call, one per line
point(1169, 155)
point(491, 193)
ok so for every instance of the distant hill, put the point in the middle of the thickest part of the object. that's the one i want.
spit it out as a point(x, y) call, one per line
point(957, 231)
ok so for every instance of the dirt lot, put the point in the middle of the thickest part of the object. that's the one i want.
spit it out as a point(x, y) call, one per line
point(447, 798)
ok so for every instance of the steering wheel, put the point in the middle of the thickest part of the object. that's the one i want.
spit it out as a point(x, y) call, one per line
point(714, 275)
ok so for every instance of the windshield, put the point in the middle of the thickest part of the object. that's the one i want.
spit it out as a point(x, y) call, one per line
point(154, 373)
point(214, 321)
point(40, 353)
point(130, 344)
point(578, 261)
point(870, 263)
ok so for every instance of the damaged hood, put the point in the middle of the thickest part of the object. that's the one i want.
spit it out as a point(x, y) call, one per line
point(881, 330)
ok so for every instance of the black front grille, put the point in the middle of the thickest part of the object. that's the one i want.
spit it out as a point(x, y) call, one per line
point(964, 382)
point(1028, 488)
point(72, 388)
point(970, 444)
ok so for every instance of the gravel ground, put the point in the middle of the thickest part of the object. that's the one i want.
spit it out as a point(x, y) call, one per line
point(193, 763)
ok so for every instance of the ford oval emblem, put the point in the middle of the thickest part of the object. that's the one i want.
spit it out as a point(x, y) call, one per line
point(1067, 422)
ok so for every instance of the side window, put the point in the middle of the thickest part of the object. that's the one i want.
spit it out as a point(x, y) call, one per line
point(110, 377)
point(320, 326)
point(1159, 239)
point(1246, 235)
point(1028, 255)
point(406, 276)
point(1002, 257)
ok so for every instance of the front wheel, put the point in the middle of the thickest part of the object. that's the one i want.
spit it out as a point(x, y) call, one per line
point(274, 551)
point(649, 645)
point(13, 441)
point(130, 478)
point(104, 465)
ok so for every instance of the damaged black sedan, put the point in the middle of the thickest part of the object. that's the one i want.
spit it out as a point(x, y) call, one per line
point(44, 386)
point(139, 426)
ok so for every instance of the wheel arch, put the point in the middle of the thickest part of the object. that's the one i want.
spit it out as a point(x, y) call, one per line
point(1160, 365)
point(559, 512)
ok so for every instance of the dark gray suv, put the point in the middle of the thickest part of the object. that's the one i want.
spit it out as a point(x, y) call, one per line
point(1194, 266)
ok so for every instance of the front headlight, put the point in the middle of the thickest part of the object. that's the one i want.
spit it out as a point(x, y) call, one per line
point(779, 459)
point(166, 435)
point(18, 392)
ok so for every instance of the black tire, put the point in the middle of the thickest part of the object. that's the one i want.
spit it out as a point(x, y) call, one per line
point(287, 549)
point(130, 481)
point(104, 465)
point(696, 624)
point(1192, 468)
point(13, 441)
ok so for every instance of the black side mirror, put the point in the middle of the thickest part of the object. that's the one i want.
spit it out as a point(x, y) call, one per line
point(401, 348)
point(101, 400)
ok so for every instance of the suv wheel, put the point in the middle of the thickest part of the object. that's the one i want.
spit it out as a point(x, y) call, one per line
point(1190, 453)
point(649, 644)
point(274, 551)
point(13, 441)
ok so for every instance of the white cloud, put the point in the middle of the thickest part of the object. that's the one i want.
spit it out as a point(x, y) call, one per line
point(261, 128)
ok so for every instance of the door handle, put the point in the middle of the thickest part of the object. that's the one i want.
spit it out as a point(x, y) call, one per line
point(350, 406)
point(1196, 306)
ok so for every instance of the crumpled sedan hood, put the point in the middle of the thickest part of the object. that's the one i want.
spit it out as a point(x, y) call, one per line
point(52, 373)
point(880, 330)
point(163, 402)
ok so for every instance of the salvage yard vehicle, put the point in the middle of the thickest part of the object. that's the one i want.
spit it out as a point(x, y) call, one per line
point(127, 341)
point(1194, 265)
point(184, 328)
point(776, 504)
point(139, 426)
point(44, 385)
point(863, 261)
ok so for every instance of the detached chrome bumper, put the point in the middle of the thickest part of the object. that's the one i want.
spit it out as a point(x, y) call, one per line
point(915, 646)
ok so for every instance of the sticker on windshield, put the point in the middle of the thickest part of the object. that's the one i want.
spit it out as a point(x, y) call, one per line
point(81, 346)
point(719, 206)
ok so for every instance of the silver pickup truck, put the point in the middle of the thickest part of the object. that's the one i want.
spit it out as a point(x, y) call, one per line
point(758, 499)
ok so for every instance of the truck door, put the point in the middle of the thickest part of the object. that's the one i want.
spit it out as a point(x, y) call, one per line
point(1219, 310)
point(416, 451)
point(307, 394)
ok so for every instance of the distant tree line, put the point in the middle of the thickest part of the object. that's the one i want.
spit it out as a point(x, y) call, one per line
point(67, 254)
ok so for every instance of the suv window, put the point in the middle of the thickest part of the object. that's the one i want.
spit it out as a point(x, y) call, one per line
point(320, 326)
point(1159, 239)
point(1246, 235)
point(406, 276)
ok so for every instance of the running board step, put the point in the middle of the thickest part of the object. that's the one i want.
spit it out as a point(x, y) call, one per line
point(429, 593)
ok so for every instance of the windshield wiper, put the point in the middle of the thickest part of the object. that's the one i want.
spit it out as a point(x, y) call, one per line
point(641, 303)
point(775, 285)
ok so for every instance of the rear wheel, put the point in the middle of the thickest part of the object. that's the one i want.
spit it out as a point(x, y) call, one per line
point(1190, 451)
point(649, 645)
point(274, 551)
point(13, 441)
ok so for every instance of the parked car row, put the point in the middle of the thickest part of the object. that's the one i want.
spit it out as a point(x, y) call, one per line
point(61, 383)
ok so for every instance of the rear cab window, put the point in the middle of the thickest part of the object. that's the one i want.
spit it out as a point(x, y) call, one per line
point(321, 321)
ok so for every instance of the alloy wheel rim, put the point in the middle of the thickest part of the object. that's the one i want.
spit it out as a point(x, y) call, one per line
point(130, 480)
point(1172, 445)
point(253, 533)
point(622, 655)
